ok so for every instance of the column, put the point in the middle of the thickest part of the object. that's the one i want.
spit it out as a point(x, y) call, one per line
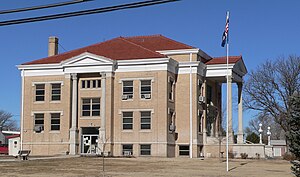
point(229, 106)
point(240, 135)
point(74, 130)
point(204, 115)
point(102, 135)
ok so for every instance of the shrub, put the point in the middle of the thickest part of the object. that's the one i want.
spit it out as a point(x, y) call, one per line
point(244, 155)
point(289, 157)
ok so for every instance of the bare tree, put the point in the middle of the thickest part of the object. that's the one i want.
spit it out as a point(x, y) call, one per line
point(269, 87)
point(7, 122)
point(266, 121)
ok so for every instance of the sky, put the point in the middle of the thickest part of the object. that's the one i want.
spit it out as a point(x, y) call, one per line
point(259, 30)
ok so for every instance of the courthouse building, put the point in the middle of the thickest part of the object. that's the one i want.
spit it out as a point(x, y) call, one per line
point(140, 96)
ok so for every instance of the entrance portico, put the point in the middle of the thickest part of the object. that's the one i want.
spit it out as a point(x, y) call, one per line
point(217, 71)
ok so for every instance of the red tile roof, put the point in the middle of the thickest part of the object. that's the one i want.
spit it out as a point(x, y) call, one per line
point(222, 60)
point(158, 42)
point(121, 48)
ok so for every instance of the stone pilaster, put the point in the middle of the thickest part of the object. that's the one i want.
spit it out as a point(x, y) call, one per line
point(74, 129)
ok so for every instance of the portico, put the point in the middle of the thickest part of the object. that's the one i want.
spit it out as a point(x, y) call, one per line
point(217, 71)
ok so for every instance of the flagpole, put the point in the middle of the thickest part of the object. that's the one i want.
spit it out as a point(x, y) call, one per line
point(227, 78)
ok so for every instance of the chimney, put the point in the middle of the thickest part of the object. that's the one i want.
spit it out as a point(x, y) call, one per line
point(52, 46)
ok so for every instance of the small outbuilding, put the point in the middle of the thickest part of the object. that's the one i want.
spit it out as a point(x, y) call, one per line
point(13, 144)
point(279, 147)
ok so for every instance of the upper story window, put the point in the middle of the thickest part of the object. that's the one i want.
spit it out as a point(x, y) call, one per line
point(56, 92)
point(209, 94)
point(40, 92)
point(91, 84)
point(171, 89)
point(145, 89)
point(55, 121)
point(127, 90)
point(127, 120)
point(145, 120)
point(38, 122)
point(90, 107)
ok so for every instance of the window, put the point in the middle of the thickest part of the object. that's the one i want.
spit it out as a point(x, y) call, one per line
point(55, 92)
point(38, 122)
point(171, 89)
point(209, 94)
point(40, 92)
point(146, 89)
point(127, 90)
point(184, 150)
point(90, 107)
point(55, 121)
point(199, 121)
point(91, 84)
point(145, 149)
point(127, 149)
point(127, 120)
point(146, 120)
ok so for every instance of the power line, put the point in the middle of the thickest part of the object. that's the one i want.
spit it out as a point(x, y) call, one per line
point(86, 12)
point(42, 6)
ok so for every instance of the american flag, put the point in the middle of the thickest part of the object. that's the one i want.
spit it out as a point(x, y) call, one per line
point(225, 33)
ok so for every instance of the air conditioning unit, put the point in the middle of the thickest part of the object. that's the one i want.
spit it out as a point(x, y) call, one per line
point(124, 97)
point(172, 127)
point(202, 99)
point(147, 96)
point(38, 128)
point(127, 153)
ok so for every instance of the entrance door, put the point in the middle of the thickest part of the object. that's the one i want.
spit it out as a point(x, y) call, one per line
point(89, 140)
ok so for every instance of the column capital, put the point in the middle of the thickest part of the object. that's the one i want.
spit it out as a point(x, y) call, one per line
point(74, 76)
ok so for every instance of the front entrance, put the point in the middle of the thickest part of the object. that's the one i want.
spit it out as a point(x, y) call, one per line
point(89, 140)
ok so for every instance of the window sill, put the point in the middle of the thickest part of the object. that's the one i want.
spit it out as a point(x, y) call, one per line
point(89, 118)
point(55, 102)
point(54, 131)
point(172, 101)
point(127, 131)
point(39, 102)
point(145, 130)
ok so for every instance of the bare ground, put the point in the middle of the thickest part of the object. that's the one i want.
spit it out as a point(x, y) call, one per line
point(143, 167)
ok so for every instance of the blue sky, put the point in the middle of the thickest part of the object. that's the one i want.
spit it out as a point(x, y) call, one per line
point(259, 30)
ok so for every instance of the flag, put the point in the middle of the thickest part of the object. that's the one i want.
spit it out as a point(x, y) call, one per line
point(225, 33)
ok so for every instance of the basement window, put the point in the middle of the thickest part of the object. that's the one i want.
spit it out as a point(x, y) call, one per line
point(184, 150)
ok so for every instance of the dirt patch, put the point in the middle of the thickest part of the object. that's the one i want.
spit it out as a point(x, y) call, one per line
point(144, 167)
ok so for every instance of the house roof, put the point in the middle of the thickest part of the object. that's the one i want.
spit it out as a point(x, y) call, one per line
point(222, 60)
point(121, 48)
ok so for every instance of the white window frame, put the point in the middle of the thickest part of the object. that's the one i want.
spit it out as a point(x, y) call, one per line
point(89, 84)
point(55, 119)
point(145, 118)
point(91, 103)
point(145, 150)
point(127, 123)
point(145, 94)
point(55, 89)
point(127, 95)
point(171, 90)
point(39, 89)
point(42, 125)
point(127, 150)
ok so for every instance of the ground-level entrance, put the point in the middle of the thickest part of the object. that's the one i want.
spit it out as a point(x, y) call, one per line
point(89, 140)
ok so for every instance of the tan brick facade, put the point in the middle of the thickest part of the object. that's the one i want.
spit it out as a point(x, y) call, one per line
point(152, 120)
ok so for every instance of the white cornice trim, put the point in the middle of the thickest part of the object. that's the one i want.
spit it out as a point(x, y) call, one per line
point(179, 51)
point(143, 61)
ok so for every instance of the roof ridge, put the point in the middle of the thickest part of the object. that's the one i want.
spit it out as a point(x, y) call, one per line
point(141, 46)
point(175, 41)
point(153, 35)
